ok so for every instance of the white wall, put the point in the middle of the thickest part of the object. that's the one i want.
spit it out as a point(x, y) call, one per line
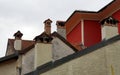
point(8, 67)
point(109, 31)
point(60, 49)
point(43, 54)
point(104, 61)
point(28, 61)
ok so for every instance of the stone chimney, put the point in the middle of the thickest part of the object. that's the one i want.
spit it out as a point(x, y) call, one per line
point(61, 28)
point(18, 42)
point(47, 28)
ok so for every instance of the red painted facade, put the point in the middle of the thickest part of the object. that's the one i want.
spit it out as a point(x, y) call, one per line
point(116, 15)
point(74, 37)
point(92, 32)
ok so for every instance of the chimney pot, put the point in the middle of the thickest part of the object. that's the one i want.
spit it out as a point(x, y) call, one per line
point(18, 35)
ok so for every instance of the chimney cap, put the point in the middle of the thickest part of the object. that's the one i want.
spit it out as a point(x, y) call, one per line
point(43, 38)
point(109, 20)
point(18, 35)
point(48, 21)
point(60, 23)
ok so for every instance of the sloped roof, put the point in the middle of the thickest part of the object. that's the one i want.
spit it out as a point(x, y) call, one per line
point(26, 45)
point(9, 57)
point(78, 15)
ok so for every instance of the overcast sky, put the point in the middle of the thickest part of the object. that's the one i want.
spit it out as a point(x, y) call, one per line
point(28, 16)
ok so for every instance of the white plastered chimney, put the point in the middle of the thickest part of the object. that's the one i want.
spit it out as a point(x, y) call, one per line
point(18, 42)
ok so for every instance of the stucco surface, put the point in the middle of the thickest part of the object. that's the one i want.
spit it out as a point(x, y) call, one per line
point(28, 61)
point(60, 49)
point(110, 31)
point(43, 54)
point(104, 61)
point(8, 67)
point(62, 32)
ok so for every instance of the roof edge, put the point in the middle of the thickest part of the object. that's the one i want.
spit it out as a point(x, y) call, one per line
point(27, 49)
point(85, 11)
point(79, 11)
point(105, 6)
point(12, 56)
point(64, 40)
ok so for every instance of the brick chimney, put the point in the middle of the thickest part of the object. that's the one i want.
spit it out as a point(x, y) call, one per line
point(18, 42)
point(47, 28)
point(61, 28)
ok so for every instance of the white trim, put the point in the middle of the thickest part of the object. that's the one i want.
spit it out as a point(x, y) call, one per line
point(82, 30)
point(103, 30)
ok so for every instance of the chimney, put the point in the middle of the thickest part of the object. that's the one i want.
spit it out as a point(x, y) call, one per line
point(43, 49)
point(18, 42)
point(47, 28)
point(61, 28)
point(109, 27)
point(43, 46)
point(43, 38)
point(43, 54)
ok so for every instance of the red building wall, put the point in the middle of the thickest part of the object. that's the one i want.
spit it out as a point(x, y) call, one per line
point(74, 37)
point(92, 32)
point(116, 15)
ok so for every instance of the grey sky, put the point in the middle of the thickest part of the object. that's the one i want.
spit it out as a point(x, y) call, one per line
point(28, 15)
